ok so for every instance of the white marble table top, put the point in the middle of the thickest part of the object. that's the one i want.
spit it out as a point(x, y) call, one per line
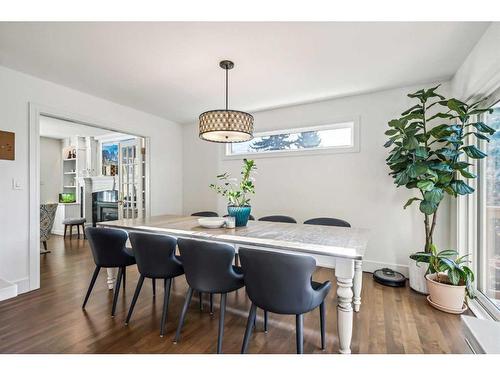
point(338, 242)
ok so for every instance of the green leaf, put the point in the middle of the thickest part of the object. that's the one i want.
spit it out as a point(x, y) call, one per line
point(466, 173)
point(444, 178)
point(402, 178)
point(440, 131)
point(425, 185)
point(447, 253)
point(461, 187)
point(483, 128)
point(447, 153)
point(391, 132)
point(395, 124)
point(457, 106)
point(410, 143)
point(440, 166)
point(421, 152)
point(481, 136)
point(440, 115)
point(410, 201)
point(474, 152)
point(417, 94)
point(389, 143)
point(460, 165)
point(428, 207)
point(417, 106)
point(421, 257)
point(434, 196)
point(416, 169)
point(454, 276)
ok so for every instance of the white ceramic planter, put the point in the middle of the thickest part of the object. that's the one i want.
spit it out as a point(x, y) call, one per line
point(449, 296)
point(417, 276)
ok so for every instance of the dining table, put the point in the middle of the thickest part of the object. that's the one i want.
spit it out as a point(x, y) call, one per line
point(339, 248)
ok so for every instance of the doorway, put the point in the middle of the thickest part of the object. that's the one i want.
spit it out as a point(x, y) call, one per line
point(83, 171)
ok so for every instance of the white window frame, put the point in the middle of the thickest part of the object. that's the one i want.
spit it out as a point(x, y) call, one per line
point(303, 152)
point(470, 230)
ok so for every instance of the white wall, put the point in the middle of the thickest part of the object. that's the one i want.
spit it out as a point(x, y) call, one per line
point(50, 170)
point(17, 90)
point(351, 186)
point(480, 72)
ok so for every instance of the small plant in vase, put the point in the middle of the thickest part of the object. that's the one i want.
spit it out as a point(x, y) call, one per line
point(449, 279)
point(236, 193)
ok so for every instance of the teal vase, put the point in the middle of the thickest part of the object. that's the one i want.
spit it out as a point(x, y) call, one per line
point(240, 214)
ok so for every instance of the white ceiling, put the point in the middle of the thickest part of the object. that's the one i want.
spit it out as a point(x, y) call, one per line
point(61, 129)
point(171, 69)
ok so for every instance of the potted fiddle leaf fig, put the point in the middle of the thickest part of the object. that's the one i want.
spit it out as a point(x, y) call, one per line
point(428, 143)
point(238, 193)
point(449, 279)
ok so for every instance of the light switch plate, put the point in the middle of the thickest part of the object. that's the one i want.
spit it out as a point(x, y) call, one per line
point(16, 184)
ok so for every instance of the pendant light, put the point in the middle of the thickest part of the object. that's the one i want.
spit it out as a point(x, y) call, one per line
point(226, 125)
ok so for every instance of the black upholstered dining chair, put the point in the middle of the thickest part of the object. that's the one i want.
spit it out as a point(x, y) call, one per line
point(206, 214)
point(282, 284)
point(208, 267)
point(109, 251)
point(278, 219)
point(328, 221)
point(155, 257)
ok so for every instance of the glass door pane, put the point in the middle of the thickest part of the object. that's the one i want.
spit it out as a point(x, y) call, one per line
point(131, 181)
point(489, 251)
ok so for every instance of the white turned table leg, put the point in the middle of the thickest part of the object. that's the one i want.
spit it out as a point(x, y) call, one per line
point(111, 277)
point(358, 283)
point(344, 272)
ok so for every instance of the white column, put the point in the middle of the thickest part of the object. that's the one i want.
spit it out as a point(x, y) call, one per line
point(344, 272)
point(358, 283)
point(111, 277)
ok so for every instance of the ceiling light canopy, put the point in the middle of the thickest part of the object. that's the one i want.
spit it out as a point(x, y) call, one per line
point(226, 125)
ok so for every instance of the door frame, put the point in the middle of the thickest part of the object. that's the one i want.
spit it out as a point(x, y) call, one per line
point(35, 111)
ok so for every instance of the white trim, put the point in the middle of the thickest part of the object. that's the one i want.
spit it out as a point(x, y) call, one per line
point(35, 110)
point(23, 285)
point(337, 124)
point(367, 265)
point(7, 290)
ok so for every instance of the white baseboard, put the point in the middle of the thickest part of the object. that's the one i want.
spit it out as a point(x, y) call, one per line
point(23, 285)
point(368, 265)
point(7, 290)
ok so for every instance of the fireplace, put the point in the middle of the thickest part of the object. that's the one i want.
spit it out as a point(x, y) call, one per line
point(104, 206)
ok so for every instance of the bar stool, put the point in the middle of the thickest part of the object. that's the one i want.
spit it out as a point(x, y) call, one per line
point(155, 257)
point(109, 251)
point(282, 284)
point(208, 267)
point(79, 221)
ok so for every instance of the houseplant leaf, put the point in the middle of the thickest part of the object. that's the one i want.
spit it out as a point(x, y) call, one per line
point(425, 185)
point(428, 207)
point(410, 201)
point(474, 152)
point(482, 127)
point(461, 187)
point(435, 195)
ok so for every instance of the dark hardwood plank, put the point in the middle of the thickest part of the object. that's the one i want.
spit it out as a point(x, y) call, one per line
point(50, 320)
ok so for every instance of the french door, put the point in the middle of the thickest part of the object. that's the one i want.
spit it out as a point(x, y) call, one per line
point(132, 171)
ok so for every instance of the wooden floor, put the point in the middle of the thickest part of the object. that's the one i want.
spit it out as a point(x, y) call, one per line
point(50, 320)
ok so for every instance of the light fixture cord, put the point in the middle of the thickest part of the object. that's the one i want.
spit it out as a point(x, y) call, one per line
point(226, 86)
